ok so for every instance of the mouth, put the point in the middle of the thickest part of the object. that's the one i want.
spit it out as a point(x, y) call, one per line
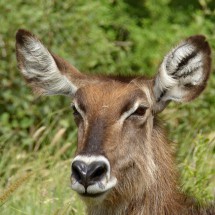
point(96, 190)
point(92, 195)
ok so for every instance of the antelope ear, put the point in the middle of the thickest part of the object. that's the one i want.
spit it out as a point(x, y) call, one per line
point(47, 73)
point(184, 72)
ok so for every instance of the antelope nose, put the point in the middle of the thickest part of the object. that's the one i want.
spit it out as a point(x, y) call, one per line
point(88, 174)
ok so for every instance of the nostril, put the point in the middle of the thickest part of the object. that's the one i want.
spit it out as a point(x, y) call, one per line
point(97, 170)
point(75, 172)
point(100, 171)
point(79, 171)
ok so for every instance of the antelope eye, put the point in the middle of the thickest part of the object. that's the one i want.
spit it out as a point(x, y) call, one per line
point(140, 111)
point(75, 111)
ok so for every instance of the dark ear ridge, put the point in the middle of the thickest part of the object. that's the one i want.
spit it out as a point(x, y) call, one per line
point(184, 72)
point(46, 73)
point(21, 36)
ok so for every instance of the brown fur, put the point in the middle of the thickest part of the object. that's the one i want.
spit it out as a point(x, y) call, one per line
point(140, 190)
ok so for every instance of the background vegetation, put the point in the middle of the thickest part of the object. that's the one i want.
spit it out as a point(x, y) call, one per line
point(38, 136)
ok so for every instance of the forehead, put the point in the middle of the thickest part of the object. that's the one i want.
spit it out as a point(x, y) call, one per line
point(111, 93)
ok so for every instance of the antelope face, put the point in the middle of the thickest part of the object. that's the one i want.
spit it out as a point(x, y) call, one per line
point(105, 114)
point(115, 118)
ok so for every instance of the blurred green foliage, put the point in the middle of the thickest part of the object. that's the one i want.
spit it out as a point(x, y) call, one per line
point(101, 36)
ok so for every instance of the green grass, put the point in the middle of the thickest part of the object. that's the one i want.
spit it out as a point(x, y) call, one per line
point(37, 181)
point(38, 136)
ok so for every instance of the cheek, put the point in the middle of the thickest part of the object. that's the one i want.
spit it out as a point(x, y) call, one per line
point(129, 146)
point(118, 149)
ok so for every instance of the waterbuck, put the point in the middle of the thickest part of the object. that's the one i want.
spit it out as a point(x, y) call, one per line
point(124, 163)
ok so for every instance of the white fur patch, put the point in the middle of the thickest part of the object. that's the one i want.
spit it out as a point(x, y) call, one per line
point(129, 112)
point(78, 109)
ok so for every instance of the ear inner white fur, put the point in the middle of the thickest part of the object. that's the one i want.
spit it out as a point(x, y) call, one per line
point(183, 73)
point(40, 69)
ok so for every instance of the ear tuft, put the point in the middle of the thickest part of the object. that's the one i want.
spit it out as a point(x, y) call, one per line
point(184, 72)
point(199, 41)
point(21, 36)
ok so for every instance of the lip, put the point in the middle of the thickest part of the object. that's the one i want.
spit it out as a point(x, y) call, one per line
point(92, 195)
point(93, 191)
